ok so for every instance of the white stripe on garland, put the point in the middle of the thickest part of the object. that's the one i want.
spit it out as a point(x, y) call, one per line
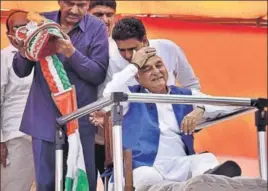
point(54, 74)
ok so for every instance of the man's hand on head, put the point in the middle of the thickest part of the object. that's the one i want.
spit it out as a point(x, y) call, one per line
point(141, 56)
point(189, 122)
point(65, 46)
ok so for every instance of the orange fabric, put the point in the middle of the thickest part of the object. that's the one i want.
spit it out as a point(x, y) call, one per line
point(66, 103)
point(48, 76)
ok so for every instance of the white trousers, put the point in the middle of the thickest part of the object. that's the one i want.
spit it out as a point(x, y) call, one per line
point(177, 169)
point(19, 172)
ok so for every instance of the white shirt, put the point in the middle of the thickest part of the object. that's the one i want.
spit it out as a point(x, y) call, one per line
point(14, 93)
point(172, 55)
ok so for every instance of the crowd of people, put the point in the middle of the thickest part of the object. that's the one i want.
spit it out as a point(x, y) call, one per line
point(102, 56)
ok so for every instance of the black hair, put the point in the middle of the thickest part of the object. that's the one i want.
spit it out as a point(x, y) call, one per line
point(129, 27)
point(10, 15)
point(107, 3)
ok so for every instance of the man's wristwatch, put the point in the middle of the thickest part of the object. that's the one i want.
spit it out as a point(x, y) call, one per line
point(201, 107)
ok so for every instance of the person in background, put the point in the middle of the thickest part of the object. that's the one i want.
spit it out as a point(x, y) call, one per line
point(104, 10)
point(17, 166)
point(129, 35)
point(84, 54)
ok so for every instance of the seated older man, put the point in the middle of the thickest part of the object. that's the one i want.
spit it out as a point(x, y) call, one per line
point(160, 135)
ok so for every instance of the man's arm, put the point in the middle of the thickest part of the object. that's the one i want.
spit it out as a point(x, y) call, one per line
point(22, 66)
point(184, 72)
point(119, 83)
point(213, 111)
point(93, 66)
point(108, 78)
point(4, 74)
point(4, 82)
point(202, 112)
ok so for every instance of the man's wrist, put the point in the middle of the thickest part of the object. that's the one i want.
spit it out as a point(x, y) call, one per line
point(201, 107)
point(135, 65)
point(70, 53)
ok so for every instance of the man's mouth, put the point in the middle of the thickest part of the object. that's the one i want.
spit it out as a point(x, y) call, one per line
point(157, 79)
point(73, 16)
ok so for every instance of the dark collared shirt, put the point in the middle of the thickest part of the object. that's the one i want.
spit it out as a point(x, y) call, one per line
point(86, 69)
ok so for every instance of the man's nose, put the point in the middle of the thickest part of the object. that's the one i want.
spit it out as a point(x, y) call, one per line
point(129, 55)
point(105, 19)
point(155, 70)
point(74, 10)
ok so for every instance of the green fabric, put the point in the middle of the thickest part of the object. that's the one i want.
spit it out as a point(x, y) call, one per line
point(61, 72)
point(82, 183)
point(68, 184)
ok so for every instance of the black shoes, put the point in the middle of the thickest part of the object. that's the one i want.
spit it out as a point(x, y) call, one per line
point(228, 168)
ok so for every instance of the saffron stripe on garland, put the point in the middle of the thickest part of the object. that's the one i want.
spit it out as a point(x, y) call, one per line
point(47, 75)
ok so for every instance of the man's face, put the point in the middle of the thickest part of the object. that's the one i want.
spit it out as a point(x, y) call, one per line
point(73, 11)
point(153, 75)
point(106, 14)
point(17, 20)
point(126, 47)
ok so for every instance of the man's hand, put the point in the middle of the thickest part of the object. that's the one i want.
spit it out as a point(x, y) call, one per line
point(97, 118)
point(65, 46)
point(189, 122)
point(17, 44)
point(140, 57)
point(3, 158)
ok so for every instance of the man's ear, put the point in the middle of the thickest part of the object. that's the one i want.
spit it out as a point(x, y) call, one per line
point(9, 37)
point(137, 77)
point(145, 41)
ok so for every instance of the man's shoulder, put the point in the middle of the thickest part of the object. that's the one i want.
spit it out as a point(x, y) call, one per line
point(8, 51)
point(135, 88)
point(93, 22)
point(50, 15)
point(179, 90)
point(163, 42)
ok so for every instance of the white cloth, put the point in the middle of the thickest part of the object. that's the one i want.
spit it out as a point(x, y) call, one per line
point(171, 161)
point(19, 172)
point(173, 56)
point(14, 93)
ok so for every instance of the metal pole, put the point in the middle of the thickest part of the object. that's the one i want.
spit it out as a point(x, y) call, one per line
point(177, 99)
point(117, 115)
point(99, 104)
point(261, 123)
point(262, 143)
point(60, 140)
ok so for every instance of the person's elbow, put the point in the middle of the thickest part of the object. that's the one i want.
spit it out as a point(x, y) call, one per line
point(21, 66)
point(96, 77)
point(21, 72)
point(106, 92)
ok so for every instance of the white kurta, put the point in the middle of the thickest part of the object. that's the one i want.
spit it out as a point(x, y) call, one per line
point(19, 172)
point(14, 94)
point(171, 162)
